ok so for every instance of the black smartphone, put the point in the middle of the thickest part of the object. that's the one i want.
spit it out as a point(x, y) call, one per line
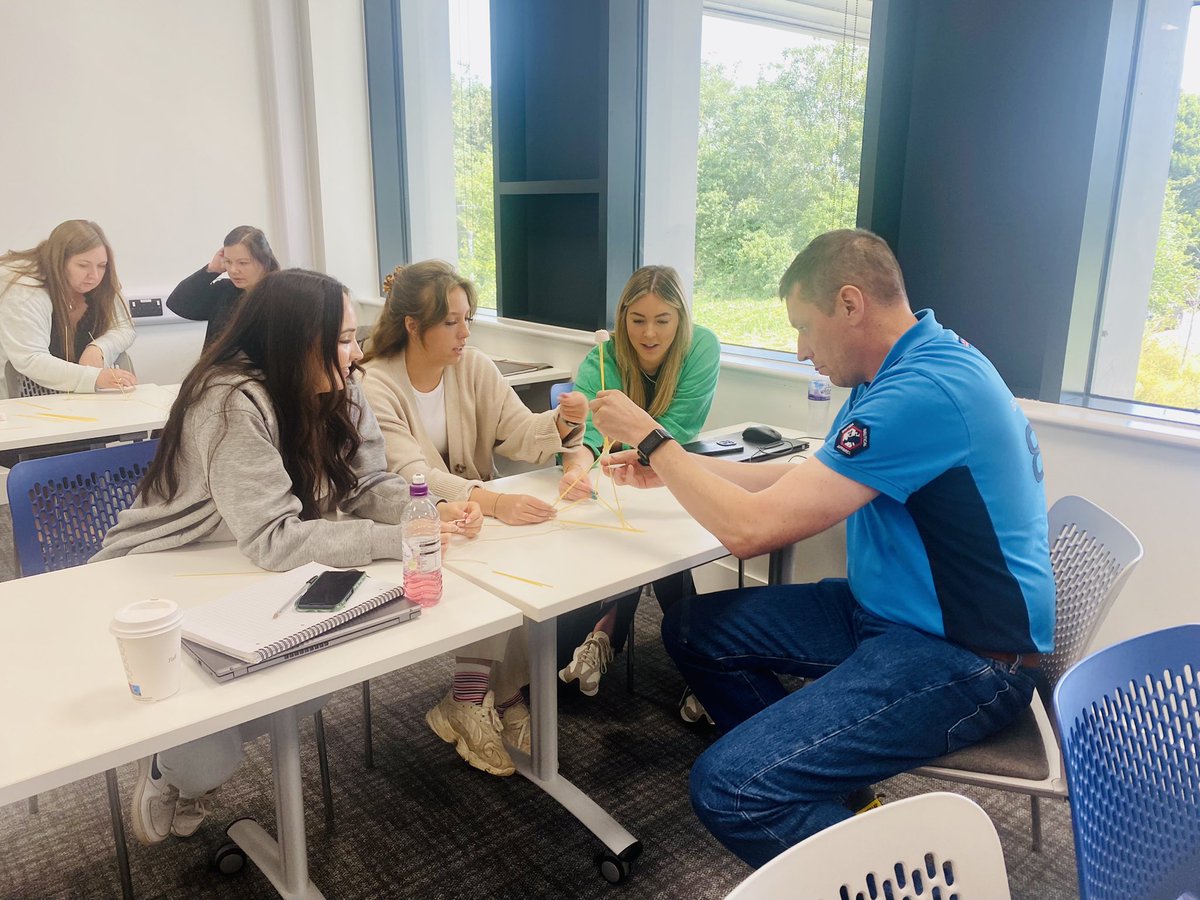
point(330, 591)
point(719, 447)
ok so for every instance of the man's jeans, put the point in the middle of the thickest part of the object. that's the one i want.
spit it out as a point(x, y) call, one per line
point(887, 698)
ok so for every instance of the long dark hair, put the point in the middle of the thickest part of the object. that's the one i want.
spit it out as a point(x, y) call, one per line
point(284, 336)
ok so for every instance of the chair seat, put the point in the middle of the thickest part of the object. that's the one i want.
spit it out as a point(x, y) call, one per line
point(1014, 752)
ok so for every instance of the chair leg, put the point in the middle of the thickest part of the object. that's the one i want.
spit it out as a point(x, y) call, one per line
point(33, 805)
point(1035, 823)
point(368, 744)
point(629, 659)
point(323, 761)
point(114, 809)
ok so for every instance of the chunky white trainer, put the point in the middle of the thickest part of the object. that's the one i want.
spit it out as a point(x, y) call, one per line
point(589, 661)
point(153, 805)
point(474, 731)
point(516, 728)
point(190, 813)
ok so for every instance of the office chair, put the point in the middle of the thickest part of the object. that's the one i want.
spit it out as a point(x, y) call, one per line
point(1092, 554)
point(22, 386)
point(1129, 719)
point(936, 845)
point(62, 506)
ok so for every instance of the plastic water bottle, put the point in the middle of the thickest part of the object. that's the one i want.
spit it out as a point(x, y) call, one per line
point(820, 393)
point(421, 535)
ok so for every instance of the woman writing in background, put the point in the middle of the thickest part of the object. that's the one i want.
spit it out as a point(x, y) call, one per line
point(668, 367)
point(269, 435)
point(445, 410)
point(246, 257)
point(63, 321)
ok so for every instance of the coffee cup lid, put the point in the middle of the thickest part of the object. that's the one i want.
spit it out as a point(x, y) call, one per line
point(146, 618)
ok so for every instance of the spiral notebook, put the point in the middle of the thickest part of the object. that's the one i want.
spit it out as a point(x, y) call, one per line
point(243, 624)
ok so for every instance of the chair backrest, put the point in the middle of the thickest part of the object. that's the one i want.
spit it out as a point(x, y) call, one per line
point(1130, 728)
point(938, 845)
point(19, 385)
point(62, 506)
point(1092, 553)
point(557, 390)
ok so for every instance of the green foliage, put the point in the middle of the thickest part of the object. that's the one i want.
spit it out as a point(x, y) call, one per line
point(1165, 377)
point(473, 194)
point(778, 165)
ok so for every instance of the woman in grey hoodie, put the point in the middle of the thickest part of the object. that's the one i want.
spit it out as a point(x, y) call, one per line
point(269, 435)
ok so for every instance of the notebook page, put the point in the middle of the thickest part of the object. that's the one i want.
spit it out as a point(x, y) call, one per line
point(243, 622)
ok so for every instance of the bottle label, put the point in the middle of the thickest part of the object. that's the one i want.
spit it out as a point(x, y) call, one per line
point(819, 389)
point(422, 553)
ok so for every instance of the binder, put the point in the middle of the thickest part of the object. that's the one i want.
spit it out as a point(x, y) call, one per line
point(243, 625)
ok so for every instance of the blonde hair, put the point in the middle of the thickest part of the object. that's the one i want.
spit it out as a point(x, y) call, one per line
point(47, 264)
point(421, 290)
point(663, 282)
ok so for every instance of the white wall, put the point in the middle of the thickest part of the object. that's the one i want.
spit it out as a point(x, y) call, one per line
point(141, 115)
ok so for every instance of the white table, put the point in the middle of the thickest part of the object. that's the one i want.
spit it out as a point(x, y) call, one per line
point(69, 714)
point(61, 418)
point(576, 565)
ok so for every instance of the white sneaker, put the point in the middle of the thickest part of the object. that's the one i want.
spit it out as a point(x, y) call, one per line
point(691, 710)
point(589, 661)
point(474, 731)
point(152, 808)
point(516, 728)
point(190, 813)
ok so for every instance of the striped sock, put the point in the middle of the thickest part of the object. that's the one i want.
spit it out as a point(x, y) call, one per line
point(471, 682)
point(516, 698)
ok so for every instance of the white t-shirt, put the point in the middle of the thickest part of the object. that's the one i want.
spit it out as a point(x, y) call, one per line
point(432, 409)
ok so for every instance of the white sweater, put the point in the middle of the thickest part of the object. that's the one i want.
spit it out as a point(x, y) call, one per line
point(26, 317)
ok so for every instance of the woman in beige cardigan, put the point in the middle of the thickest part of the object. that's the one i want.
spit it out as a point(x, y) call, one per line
point(444, 410)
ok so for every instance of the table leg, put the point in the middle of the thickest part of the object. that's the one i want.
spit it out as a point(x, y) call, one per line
point(284, 862)
point(780, 565)
point(542, 768)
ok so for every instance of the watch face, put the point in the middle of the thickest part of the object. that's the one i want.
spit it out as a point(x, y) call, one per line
point(650, 443)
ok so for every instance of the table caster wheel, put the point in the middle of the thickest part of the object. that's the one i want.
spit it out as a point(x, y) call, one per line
point(615, 867)
point(229, 859)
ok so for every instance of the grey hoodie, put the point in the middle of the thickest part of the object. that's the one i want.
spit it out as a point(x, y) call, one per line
point(233, 486)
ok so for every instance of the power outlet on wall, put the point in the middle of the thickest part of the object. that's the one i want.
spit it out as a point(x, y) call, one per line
point(145, 307)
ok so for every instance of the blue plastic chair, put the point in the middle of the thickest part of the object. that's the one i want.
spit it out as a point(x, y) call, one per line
point(557, 390)
point(1129, 718)
point(62, 506)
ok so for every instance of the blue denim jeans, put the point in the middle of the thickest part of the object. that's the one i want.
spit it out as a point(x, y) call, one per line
point(886, 698)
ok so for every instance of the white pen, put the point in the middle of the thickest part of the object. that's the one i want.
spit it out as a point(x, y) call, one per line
point(296, 596)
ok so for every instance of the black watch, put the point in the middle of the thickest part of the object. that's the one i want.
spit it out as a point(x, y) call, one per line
point(650, 443)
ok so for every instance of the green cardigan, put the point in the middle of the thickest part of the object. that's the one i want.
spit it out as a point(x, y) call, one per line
point(693, 394)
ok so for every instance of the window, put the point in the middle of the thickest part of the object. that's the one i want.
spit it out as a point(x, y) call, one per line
point(471, 87)
point(781, 115)
point(1147, 347)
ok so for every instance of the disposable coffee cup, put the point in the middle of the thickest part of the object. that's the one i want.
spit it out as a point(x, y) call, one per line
point(148, 635)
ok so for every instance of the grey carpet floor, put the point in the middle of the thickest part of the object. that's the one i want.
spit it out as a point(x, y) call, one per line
point(423, 824)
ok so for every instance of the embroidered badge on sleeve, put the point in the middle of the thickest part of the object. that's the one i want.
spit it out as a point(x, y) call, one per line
point(853, 439)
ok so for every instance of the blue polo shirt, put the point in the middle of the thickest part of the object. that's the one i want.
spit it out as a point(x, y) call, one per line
point(955, 544)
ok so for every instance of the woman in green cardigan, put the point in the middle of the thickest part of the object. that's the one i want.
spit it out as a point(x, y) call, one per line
point(668, 367)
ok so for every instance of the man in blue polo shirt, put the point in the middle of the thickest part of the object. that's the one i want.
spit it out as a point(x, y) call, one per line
point(932, 641)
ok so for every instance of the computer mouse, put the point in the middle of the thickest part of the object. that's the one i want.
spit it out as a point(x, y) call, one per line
point(761, 434)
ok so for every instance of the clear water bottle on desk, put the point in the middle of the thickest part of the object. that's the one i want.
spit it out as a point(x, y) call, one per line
point(820, 394)
point(421, 534)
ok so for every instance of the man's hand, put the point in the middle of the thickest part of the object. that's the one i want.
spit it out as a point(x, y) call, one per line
point(624, 468)
point(619, 418)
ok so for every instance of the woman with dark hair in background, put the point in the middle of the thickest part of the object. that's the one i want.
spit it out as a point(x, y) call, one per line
point(63, 321)
point(246, 258)
point(269, 435)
